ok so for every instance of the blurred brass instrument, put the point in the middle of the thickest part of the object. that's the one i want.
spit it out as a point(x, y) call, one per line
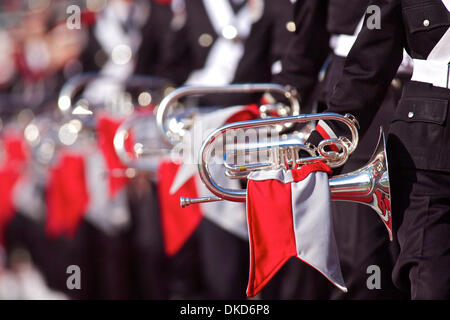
point(147, 148)
point(146, 153)
point(172, 138)
point(368, 185)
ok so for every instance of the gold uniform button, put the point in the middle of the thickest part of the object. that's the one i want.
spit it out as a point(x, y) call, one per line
point(396, 83)
point(291, 27)
point(426, 22)
point(205, 40)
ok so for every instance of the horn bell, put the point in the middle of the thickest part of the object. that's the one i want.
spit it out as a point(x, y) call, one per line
point(368, 185)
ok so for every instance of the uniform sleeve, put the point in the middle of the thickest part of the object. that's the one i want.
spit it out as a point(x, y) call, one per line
point(308, 49)
point(370, 66)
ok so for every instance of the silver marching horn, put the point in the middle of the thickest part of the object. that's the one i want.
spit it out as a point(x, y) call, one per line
point(170, 100)
point(147, 147)
point(146, 154)
point(368, 185)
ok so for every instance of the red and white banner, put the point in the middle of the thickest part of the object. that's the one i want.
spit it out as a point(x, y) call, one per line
point(82, 186)
point(327, 133)
point(108, 206)
point(177, 180)
point(177, 223)
point(288, 216)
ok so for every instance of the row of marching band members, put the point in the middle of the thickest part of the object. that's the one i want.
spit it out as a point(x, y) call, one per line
point(59, 201)
point(65, 198)
point(366, 83)
point(309, 48)
point(312, 64)
point(68, 198)
point(126, 229)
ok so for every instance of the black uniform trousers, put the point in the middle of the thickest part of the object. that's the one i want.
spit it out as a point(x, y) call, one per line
point(149, 276)
point(419, 156)
point(225, 262)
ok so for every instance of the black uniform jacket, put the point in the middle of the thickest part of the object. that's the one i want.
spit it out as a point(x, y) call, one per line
point(306, 53)
point(149, 55)
point(265, 45)
point(423, 139)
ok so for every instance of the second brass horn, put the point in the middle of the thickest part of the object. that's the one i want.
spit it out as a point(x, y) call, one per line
point(170, 99)
point(368, 185)
point(144, 155)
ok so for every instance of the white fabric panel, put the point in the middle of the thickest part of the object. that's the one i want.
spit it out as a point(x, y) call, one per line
point(204, 124)
point(230, 216)
point(27, 196)
point(106, 214)
point(313, 226)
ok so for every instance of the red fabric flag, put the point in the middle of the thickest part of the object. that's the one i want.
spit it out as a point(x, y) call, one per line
point(178, 224)
point(288, 216)
point(88, 18)
point(106, 129)
point(67, 196)
point(11, 170)
point(249, 112)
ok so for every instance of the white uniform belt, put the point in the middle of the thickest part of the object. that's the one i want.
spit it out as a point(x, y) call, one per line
point(342, 43)
point(430, 71)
